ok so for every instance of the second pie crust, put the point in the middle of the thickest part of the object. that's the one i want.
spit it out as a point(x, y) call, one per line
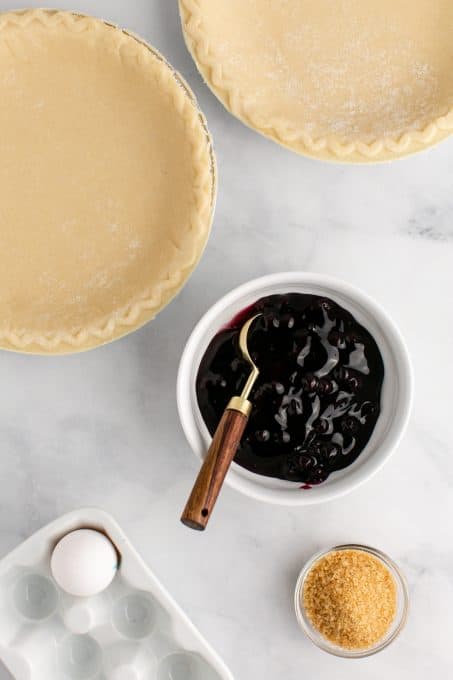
point(354, 81)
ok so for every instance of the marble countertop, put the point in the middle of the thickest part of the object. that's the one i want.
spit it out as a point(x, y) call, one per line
point(101, 428)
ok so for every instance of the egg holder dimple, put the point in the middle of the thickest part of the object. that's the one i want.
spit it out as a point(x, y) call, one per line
point(133, 630)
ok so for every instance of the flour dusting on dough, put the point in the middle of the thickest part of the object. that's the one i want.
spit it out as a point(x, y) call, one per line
point(355, 69)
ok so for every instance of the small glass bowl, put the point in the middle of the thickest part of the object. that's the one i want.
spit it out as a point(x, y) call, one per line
point(402, 606)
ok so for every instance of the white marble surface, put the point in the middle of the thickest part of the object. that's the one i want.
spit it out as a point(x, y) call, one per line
point(101, 428)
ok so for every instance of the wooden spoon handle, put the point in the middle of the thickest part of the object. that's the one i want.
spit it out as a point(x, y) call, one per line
point(213, 471)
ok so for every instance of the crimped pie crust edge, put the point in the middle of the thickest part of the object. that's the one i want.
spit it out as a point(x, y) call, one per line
point(131, 317)
point(299, 140)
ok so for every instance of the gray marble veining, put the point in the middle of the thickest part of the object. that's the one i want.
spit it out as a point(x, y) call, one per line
point(101, 428)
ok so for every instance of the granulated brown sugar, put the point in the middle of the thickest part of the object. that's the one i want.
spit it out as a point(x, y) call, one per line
point(350, 598)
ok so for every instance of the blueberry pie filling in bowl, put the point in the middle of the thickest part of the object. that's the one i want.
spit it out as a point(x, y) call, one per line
point(334, 393)
point(318, 396)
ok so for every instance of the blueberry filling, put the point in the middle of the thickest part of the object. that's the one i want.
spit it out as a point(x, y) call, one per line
point(317, 399)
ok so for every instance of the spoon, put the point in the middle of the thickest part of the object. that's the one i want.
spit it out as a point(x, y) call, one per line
point(223, 446)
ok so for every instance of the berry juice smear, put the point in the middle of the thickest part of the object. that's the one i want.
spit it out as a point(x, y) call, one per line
point(317, 398)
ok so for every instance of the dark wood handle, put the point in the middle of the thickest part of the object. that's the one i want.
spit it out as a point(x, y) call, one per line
point(213, 471)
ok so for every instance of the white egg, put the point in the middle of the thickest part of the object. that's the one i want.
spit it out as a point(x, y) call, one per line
point(84, 562)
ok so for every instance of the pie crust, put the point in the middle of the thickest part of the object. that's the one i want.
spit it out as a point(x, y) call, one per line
point(353, 80)
point(107, 179)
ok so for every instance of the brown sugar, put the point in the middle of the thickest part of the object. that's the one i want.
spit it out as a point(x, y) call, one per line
point(350, 597)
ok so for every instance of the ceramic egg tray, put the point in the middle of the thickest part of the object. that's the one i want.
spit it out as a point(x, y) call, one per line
point(133, 630)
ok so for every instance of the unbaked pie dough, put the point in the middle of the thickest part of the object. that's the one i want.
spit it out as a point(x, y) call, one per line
point(350, 80)
point(107, 182)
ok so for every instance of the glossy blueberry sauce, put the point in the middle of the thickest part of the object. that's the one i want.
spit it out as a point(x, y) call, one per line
point(317, 399)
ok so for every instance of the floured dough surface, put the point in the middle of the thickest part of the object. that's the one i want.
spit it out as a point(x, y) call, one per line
point(340, 79)
point(106, 180)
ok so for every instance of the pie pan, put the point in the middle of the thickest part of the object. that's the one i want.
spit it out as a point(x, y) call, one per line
point(134, 630)
point(353, 81)
point(108, 182)
point(396, 396)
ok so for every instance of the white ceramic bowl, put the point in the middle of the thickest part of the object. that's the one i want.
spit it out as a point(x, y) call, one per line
point(396, 397)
